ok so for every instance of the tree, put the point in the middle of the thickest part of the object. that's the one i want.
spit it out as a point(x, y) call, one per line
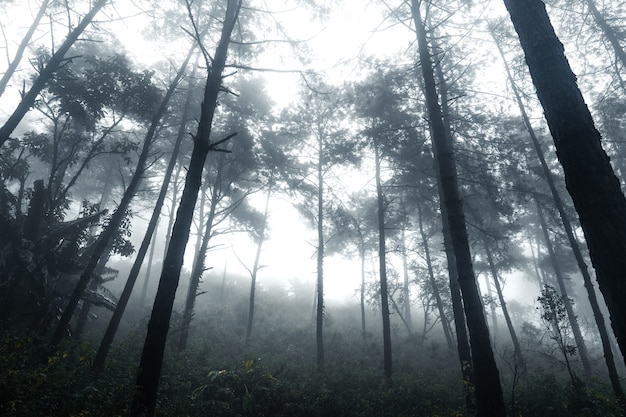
point(489, 398)
point(147, 383)
point(109, 335)
point(589, 177)
point(46, 72)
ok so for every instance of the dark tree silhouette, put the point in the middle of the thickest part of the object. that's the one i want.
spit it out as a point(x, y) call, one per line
point(589, 177)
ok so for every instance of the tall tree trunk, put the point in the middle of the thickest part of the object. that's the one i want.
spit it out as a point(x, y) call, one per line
point(560, 279)
point(589, 177)
point(582, 265)
point(147, 383)
point(199, 265)
point(22, 47)
point(406, 291)
point(489, 398)
point(319, 304)
point(463, 345)
point(255, 266)
point(519, 357)
point(146, 279)
point(433, 282)
point(103, 243)
point(382, 267)
point(109, 335)
point(47, 72)
point(172, 214)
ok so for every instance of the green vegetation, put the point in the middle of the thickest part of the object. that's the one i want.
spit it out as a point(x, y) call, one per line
point(276, 375)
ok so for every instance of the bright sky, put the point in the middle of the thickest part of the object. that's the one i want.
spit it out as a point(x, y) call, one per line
point(355, 30)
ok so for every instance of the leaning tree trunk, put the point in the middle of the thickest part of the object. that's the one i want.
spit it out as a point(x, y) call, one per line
point(608, 32)
point(463, 345)
point(199, 266)
point(589, 177)
point(22, 47)
point(489, 398)
point(147, 383)
point(109, 335)
point(382, 252)
point(578, 337)
point(582, 265)
point(104, 240)
point(28, 99)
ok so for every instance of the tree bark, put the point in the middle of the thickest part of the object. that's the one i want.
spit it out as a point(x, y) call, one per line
point(147, 383)
point(589, 177)
point(382, 268)
point(489, 398)
point(46, 73)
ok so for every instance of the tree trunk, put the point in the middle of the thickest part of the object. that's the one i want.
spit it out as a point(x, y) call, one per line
point(22, 47)
point(46, 73)
point(147, 383)
point(489, 398)
point(199, 265)
point(519, 357)
point(582, 265)
point(492, 307)
point(109, 335)
point(255, 266)
point(589, 177)
point(433, 282)
point(463, 345)
point(362, 259)
point(319, 305)
point(406, 291)
point(382, 256)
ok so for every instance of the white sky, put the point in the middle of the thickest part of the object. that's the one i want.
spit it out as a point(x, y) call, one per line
point(337, 46)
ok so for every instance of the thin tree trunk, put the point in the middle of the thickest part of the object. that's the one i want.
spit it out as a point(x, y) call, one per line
point(255, 266)
point(406, 292)
point(489, 397)
point(519, 357)
point(109, 335)
point(590, 180)
point(57, 59)
point(199, 265)
point(362, 301)
point(22, 47)
point(433, 282)
point(146, 279)
point(147, 382)
point(382, 256)
point(578, 337)
point(319, 319)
